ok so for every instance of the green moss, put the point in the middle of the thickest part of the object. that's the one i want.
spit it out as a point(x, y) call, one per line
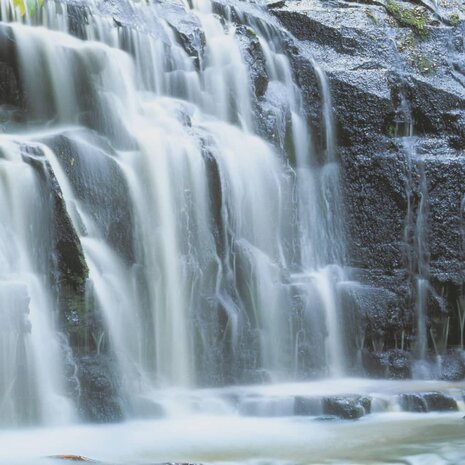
point(411, 41)
point(408, 43)
point(425, 64)
point(370, 15)
point(27, 6)
point(415, 19)
point(251, 34)
point(454, 19)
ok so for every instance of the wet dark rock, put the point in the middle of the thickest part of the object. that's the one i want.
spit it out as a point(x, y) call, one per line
point(438, 402)
point(99, 388)
point(11, 95)
point(373, 309)
point(325, 418)
point(393, 364)
point(68, 265)
point(413, 403)
point(316, 29)
point(278, 4)
point(97, 181)
point(186, 27)
point(78, 18)
point(254, 58)
point(274, 114)
point(347, 408)
point(453, 366)
point(383, 77)
point(90, 370)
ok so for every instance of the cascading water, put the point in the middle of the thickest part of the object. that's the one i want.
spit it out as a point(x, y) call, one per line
point(235, 251)
point(161, 244)
point(415, 233)
point(418, 259)
point(31, 383)
point(427, 338)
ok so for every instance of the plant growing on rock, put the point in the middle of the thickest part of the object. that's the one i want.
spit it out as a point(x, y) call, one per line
point(29, 6)
point(371, 15)
point(454, 19)
point(416, 19)
point(425, 65)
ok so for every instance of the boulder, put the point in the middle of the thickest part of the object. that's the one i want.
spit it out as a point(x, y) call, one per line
point(99, 399)
point(413, 403)
point(439, 402)
point(392, 364)
point(347, 407)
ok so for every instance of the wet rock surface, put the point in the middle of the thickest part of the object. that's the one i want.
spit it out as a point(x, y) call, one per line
point(347, 408)
point(413, 403)
point(427, 402)
point(438, 402)
point(90, 164)
point(91, 373)
point(99, 388)
point(391, 78)
point(393, 364)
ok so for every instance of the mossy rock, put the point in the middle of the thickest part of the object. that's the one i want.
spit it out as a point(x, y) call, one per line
point(414, 18)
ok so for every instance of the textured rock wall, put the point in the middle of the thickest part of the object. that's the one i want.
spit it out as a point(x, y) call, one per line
point(387, 77)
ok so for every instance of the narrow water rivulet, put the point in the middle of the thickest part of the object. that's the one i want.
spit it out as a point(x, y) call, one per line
point(173, 257)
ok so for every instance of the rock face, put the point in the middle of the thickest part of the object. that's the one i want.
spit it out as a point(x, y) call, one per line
point(91, 372)
point(99, 400)
point(393, 76)
point(347, 408)
point(427, 402)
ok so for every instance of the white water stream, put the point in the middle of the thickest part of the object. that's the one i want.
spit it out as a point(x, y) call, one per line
point(202, 274)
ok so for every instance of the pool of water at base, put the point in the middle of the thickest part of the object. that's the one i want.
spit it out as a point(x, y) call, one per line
point(388, 437)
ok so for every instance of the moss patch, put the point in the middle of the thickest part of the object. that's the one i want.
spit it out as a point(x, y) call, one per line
point(371, 16)
point(425, 64)
point(454, 19)
point(416, 18)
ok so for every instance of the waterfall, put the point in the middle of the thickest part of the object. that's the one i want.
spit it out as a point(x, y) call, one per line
point(418, 251)
point(214, 255)
point(31, 382)
point(416, 225)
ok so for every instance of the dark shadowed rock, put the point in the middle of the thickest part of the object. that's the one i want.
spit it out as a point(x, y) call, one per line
point(99, 388)
point(453, 366)
point(438, 402)
point(254, 57)
point(347, 408)
point(413, 403)
point(90, 164)
point(90, 370)
point(393, 364)
point(385, 76)
point(186, 27)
